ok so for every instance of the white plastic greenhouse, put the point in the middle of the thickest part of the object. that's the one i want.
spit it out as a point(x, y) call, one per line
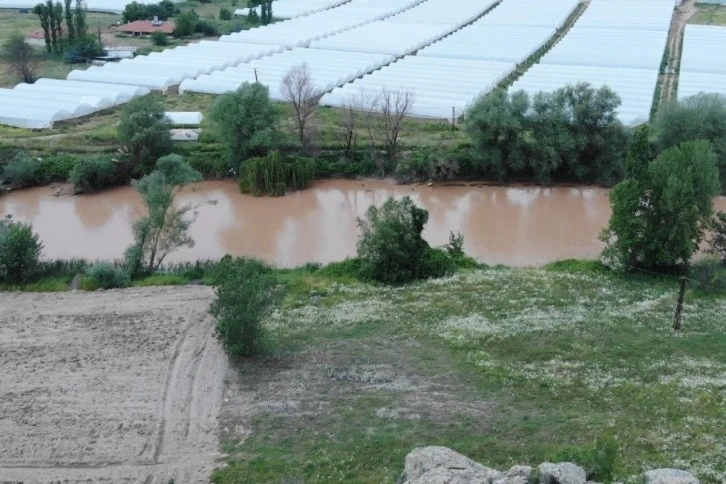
point(39, 105)
point(511, 32)
point(327, 69)
point(703, 61)
point(438, 84)
point(296, 8)
point(454, 13)
point(184, 118)
point(618, 43)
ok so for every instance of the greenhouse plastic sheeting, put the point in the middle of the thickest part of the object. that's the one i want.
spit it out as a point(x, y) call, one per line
point(327, 69)
point(453, 13)
point(513, 31)
point(703, 62)
point(299, 32)
point(184, 118)
point(438, 85)
point(618, 43)
point(39, 105)
point(634, 86)
point(111, 6)
point(296, 8)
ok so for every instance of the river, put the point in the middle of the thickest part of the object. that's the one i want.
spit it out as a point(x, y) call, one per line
point(517, 225)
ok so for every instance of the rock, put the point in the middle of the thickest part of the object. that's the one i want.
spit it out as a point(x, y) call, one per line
point(562, 473)
point(670, 476)
point(515, 475)
point(441, 465)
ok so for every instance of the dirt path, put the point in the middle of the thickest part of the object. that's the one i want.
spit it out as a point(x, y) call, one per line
point(669, 80)
point(116, 386)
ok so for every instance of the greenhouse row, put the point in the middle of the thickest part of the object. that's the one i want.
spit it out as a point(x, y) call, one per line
point(39, 105)
point(443, 84)
point(295, 8)
point(327, 69)
point(618, 43)
point(703, 60)
point(161, 70)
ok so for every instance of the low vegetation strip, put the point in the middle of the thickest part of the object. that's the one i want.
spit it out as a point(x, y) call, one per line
point(504, 365)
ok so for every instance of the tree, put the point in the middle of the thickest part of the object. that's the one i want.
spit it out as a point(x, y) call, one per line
point(159, 38)
point(225, 14)
point(56, 25)
point(135, 11)
point(245, 121)
point(717, 241)
point(660, 215)
point(43, 13)
point(246, 292)
point(702, 116)
point(299, 90)
point(70, 24)
point(394, 106)
point(164, 229)
point(79, 16)
point(84, 48)
point(21, 57)
point(185, 24)
point(145, 133)
point(20, 251)
point(265, 16)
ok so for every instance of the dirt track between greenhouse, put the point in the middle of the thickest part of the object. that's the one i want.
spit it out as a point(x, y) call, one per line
point(114, 386)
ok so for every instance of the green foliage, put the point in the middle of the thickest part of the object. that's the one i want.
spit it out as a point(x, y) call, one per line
point(570, 134)
point(144, 133)
point(246, 291)
point(55, 168)
point(206, 28)
point(105, 275)
point(455, 247)
point(709, 275)
point(160, 39)
point(165, 228)
point(717, 241)
point(599, 461)
point(83, 48)
point(22, 171)
point(699, 117)
point(576, 266)
point(245, 121)
point(659, 214)
point(347, 269)
point(274, 176)
point(92, 173)
point(134, 11)
point(139, 11)
point(20, 250)
point(185, 24)
point(20, 57)
point(390, 247)
point(225, 14)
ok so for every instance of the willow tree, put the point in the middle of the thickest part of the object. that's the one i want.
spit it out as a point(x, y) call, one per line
point(165, 228)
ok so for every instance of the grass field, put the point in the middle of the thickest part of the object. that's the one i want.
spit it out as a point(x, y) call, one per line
point(504, 365)
point(709, 14)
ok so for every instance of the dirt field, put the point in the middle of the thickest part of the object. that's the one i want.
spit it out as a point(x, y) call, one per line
point(116, 386)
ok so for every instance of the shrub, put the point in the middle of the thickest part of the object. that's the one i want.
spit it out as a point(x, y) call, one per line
point(390, 247)
point(225, 14)
point(246, 291)
point(55, 168)
point(598, 461)
point(160, 39)
point(185, 24)
point(20, 250)
point(274, 176)
point(455, 247)
point(206, 27)
point(709, 275)
point(347, 269)
point(92, 173)
point(22, 171)
point(105, 276)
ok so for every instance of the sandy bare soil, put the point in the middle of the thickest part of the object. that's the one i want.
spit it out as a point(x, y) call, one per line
point(115, 386)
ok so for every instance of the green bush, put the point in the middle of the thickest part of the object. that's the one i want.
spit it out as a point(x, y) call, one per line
point(159, 38)
point(206, 27)
point(272, 175)
point(390, 247)
point(22, 171)
point(347, 269)
point(92, 173)
point(225, 14)
point(55, 168)
point(599, 461)
point(105, 276)
point(20, 250)
point(246, 291)
point(709, 275)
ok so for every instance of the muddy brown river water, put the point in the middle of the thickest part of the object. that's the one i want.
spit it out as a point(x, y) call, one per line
point(509, 225)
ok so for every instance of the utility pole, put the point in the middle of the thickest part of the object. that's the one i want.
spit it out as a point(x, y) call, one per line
point(453, 118)
point(255, 69)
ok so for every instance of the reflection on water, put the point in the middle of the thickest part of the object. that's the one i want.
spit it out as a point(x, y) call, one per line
point(509, 225)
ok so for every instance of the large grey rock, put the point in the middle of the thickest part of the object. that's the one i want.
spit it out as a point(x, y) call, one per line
point(441, 465)
point(562, 473)
point(515, 475)
point(670, 476)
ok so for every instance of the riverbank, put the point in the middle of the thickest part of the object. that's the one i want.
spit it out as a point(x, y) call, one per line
point(505, 365)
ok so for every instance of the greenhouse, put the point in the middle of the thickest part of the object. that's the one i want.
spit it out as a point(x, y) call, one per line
point(326, 68)
point(296, 8)
point(184, 118)
point(703, 61)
